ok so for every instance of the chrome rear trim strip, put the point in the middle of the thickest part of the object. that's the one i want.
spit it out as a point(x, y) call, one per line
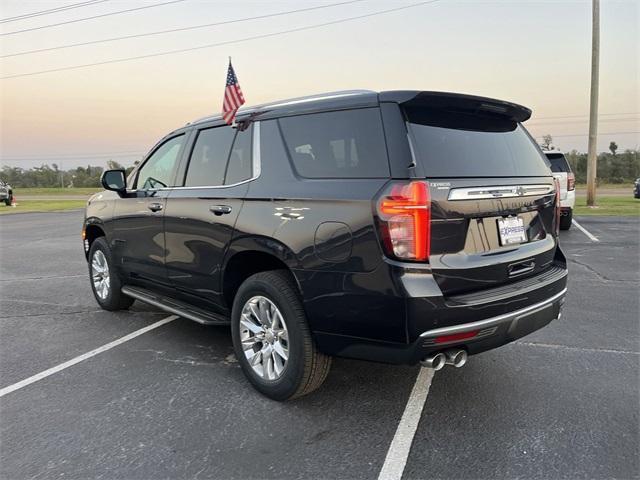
point(490, 322)
point(506, 191)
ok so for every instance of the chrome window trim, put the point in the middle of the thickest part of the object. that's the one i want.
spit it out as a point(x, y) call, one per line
point(499, 191)
point(256, 165)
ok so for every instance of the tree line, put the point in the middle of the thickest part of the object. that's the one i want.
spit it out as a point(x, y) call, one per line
point(613, 167)
point(52, 176)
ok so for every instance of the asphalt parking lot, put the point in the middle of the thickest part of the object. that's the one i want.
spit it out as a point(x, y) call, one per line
point(173, 403)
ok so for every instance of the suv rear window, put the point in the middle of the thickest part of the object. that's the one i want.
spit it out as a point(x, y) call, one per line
point(344, 144)
point(558, 162)
point(462, 144)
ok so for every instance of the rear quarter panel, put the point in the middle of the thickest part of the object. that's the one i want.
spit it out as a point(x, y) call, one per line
point(323, 229)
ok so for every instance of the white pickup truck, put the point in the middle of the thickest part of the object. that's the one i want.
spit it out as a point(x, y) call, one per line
point(562, 171)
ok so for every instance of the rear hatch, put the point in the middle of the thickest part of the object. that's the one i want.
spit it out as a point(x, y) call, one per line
point(492, 194)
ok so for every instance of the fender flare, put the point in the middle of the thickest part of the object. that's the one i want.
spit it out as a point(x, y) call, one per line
point(262, 244)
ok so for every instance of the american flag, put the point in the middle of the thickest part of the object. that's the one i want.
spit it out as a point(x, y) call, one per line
point(233, 97)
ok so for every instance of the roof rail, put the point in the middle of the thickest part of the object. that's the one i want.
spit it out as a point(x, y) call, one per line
point(291, 101)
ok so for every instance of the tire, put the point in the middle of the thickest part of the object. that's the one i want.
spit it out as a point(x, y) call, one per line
point(565, 220)
point(9, 200)
point(305, 368)
point(110, 298)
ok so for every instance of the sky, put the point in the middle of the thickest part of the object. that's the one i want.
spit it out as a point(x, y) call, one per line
point(536, 53)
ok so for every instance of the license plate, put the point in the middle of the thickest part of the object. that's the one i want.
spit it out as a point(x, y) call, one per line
point(511, 230)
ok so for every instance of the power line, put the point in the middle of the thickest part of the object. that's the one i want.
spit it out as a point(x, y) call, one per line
point(568, 122)
point(51, 10)
point(182, 29)
point(90, 18)
point(211, 45)
point(586, 115)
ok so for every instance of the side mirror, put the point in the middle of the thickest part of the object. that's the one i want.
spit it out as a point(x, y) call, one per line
point(115, 181)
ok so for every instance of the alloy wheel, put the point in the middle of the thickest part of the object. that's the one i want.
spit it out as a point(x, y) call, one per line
point(264, 337)
point(100, 274)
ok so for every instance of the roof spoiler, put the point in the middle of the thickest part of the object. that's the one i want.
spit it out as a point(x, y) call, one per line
point(458, 102)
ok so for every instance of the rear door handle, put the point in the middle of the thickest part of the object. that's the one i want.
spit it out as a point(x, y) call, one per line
point(220, 209)
point(155, 207)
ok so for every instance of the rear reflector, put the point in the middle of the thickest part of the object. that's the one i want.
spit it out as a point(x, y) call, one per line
point(404, 211)
point(456, 337)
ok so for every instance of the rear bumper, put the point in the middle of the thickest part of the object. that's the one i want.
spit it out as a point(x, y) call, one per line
point(475, 322)
point(489, 333)
point(492, 332)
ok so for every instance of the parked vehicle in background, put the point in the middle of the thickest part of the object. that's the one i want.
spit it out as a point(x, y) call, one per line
point(6, 193)
point(636, 188)
point(562, 171)
point(399, 227)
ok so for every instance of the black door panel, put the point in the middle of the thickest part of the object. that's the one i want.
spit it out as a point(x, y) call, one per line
point(197, 237)
point(138, 236)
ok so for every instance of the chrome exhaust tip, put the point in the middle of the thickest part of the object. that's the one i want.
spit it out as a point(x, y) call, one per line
point(457, 358)
point(435, 361)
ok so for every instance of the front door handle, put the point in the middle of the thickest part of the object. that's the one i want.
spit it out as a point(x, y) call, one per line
point(220, 209)
point(155, 207)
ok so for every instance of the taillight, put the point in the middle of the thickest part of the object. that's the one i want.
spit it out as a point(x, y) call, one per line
point(557, 209)
point(404, 212)
point(571, 181)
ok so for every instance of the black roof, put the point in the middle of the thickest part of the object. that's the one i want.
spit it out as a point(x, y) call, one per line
point(367, 98)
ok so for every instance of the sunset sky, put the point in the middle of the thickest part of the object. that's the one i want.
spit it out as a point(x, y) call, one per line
point(536, 53)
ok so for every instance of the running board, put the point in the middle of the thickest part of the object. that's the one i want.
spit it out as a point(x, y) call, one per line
point(174, 306)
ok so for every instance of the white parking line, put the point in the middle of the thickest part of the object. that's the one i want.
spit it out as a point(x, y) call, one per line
point(592, 237)
point(85, 356)
point(400, 447)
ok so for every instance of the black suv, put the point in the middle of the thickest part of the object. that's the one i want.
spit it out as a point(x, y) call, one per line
point(399, 226)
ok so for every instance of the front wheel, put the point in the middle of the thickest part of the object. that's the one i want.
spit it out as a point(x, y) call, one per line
point(105, 282)
point(272, 340)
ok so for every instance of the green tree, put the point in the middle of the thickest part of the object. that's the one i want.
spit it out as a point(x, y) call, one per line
point(613, 146)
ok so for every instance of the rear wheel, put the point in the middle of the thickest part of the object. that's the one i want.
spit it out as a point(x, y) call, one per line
point(9, 200)
point(105, 282)
point(272, 340)
point(565, 219)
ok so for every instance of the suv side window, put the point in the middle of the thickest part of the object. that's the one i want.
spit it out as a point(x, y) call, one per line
point(239, 167)
point(160, 168)
point(209, 157)
point(343, 144)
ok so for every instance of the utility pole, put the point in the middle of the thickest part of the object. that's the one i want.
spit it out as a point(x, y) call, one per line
point(592, 158)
